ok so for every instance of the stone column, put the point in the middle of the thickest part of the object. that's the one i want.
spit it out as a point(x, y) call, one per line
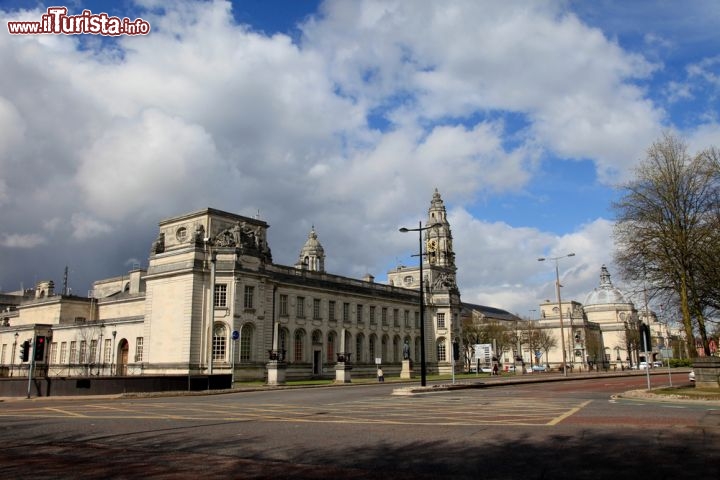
point(343, 366)
point(276, 367)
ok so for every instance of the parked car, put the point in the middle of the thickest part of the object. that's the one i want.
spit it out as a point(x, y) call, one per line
point(657, 364)
point(691, 376)
point(539, 368)
point(643, 366)
point(483, 369)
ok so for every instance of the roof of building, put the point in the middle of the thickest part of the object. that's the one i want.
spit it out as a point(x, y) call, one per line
point(490, 312)
point(605, 293)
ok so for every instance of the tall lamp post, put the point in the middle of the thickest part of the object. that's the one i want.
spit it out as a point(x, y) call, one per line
point(557, 290)
point(420, 229)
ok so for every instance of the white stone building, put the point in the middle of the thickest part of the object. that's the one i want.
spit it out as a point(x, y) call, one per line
point(210, 274)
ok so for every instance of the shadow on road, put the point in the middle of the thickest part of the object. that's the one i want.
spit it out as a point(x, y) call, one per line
point(592, 454)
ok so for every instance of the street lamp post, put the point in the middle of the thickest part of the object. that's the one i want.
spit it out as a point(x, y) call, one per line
point(420, 229)
point(112, 359)
point(14, 352)
point(100, 349)
point(557, 290)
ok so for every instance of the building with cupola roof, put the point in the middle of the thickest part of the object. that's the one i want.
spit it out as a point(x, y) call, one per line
point(619, 319)
point(607, 306)
point(602, 331)
point(312, 254)
point(212, 302)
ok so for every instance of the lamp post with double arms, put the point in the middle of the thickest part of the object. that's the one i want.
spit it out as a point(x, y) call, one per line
point(420, 229)
point(557, 290)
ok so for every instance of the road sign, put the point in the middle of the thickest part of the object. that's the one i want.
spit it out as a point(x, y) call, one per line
point(235, 335)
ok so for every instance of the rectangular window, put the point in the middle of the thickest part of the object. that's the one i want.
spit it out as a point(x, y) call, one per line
point(107, 349)
point(346, 312)
point(63, 352)
point(316, 308)
point(417, 319)
point(249, 294)
point(53, 353)
point(93, 351)
point(359, 314)
point(396, 317)
point(300, 307)
point(220, 298)
point(383, 317)
point(2, 356)
point(283, 305)
point(440, 320)
point(331, 310)
point(83, 351)
point(407, 318)
point(139, 349)
point(373, 320)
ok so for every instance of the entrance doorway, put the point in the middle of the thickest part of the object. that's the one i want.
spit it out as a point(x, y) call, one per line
point(122, 357)
point(317, 359)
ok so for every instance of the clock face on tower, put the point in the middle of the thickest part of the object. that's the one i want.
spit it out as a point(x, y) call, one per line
point(432, 245)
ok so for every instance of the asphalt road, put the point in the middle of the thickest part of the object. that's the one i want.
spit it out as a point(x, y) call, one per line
point(558, 430)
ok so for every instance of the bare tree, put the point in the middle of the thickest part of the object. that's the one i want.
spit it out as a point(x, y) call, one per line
point(546, 342)
point(666, 228)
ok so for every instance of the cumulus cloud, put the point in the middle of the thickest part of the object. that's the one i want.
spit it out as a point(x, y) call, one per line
point(141, 161)
point(350, 127)
point(85, 227)
point(22, 240)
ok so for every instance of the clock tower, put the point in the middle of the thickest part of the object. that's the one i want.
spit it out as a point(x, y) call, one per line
point(441, 294)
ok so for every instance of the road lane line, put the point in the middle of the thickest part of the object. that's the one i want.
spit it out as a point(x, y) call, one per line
point(65, 412)
point(569, 413)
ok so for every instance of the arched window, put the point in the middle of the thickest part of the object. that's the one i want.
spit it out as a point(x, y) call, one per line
point(417, 349)
point(359, 346)
point(396, 349)
point(219, 343)
point(246, 341)
point(372, 351)
point(441, 352)
point(384, 348)
point(299, 353)
point(331, 347)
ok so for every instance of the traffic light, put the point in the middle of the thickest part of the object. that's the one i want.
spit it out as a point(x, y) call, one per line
point(25, 351)
point(456, 350)
point(40, 348)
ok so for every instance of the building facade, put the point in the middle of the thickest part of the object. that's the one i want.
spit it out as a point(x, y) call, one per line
point(212, 301)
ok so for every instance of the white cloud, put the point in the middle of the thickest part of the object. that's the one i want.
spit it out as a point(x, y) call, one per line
point(22, 240)
point(204, 112)
point(139, 162)
point(498, 264)
point(85, 227)
point(573, 83)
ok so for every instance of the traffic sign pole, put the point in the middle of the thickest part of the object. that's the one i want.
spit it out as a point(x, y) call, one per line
point(235, 336)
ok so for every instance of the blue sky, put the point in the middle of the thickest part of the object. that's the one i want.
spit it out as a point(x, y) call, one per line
point(347, 115)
